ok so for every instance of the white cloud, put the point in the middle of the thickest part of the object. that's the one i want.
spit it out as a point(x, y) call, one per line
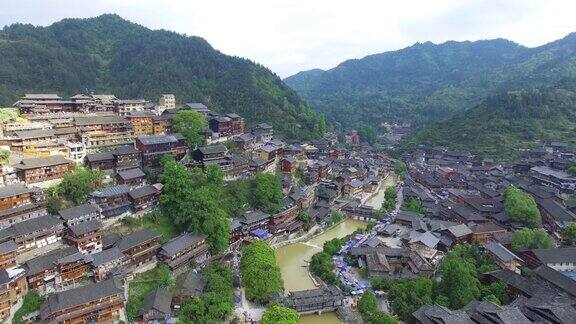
point(290, 36)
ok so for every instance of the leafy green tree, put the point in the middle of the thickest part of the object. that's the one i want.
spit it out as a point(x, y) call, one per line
point(572, 169)
point(321, 265)
point(191, 124)
point(367, 133)
point(217, 301)
point(367, 304)
point(336, 217)
point(76, 186)
point(261, 275)
point(31, 303)
point(569, 233)
point(531, 239)
point(192, 199)
point(459, 281)
point(4, 156)
point(332, 246)
point(304, 217)
point(379, 317)
point(390, 196)
point(406, 296)
point(521, 207)
point(413, 204)
point(279, 314)
point(383, 283)
point(267, 192)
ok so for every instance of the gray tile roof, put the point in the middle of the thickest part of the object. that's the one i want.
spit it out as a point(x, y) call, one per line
point(179, 243)
point(33, 163)
point(112, 191)
point(8, 247)
point(136, 238)
point(143, 191)
point(36, 224)
point(13, 190)
point(78, 296)
point(86, 121)
point(159, 300)
point(556, 255)
point(96, 157)
point(157, 139)
point(106, 256)
point(86, 227)
point(34, 133)
point(46, 261)
point(131, 174)
point(78, 211)
point(500, 251)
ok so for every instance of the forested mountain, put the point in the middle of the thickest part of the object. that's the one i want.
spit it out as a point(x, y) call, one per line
point(428, 82)
point(505, 125)
point(110, 55)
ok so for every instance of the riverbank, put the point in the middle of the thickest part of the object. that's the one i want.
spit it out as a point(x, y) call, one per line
point(292, 259)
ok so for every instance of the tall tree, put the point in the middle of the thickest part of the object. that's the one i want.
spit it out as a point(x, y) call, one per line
point(191, 124)
point(267, 192)
point(521, 207)
point(261, 276)
point(279, 314)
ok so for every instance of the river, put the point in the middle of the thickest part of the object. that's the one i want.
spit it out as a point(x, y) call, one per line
point(377, 200)
point(292, 262)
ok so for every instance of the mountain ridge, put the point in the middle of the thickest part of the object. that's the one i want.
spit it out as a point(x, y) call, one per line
point(110, 54)
point(428, 82)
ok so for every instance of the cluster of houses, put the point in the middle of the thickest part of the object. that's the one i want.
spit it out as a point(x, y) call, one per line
point(462, 201)
point(72, 254)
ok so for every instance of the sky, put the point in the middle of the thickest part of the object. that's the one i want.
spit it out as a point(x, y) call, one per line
point(296, 35)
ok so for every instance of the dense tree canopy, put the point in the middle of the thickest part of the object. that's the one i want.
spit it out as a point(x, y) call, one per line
point(74, 189)
point(267, 192)
point(521, 207)
point(531, 239)
point(505, 125)
point(191, 124)
point(110, 55)
point(368, 308)
point(261, 276)
point(429, 82)
point(217, 301)
point(192, 201)
point(277, 314)
point(321, 266)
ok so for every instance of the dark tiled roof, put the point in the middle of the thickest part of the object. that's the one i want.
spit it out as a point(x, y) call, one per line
point(159, 300)
point(136, 238)
point(86, 227)
point(131, 174)
point(86, 121)
point(179, 243)
point(13, 190)
point(78, 296)
point(106, 256)
point(33, 163)
point(157, 139)
point(8, 247)
point(557, 279)
point(97, 157)
point(213, 149)
point(112, 191)
point(556, 255)
point(143, 192)
point(34, 133)
point(500, 251)
point(35, 224)
point(46, 261)
point(78, 211)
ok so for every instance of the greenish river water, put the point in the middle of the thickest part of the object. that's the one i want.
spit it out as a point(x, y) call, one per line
point(292, 262)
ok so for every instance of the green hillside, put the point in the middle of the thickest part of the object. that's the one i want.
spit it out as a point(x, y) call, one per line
point(110, 55)
point(505, 125)
point(428, 82)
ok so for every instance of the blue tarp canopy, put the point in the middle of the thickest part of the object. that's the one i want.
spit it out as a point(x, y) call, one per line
point(260, 233)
